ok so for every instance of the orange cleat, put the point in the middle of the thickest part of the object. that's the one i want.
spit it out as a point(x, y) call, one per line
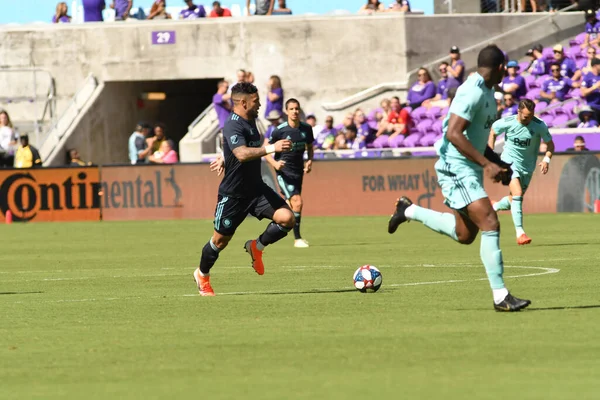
point(203, 283)
point(523, 240)
point(256, 255)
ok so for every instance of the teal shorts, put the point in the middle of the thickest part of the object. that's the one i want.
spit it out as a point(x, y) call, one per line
point(461, 185)
point(524, 177)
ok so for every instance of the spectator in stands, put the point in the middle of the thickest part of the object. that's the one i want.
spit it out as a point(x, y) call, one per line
point(122, 9)
point(241, 75)
point(74, 159)
point(510, 106)
point(92, 10)
point(592, 29)
point(578, 145)
point(8, 140)
point(159, 10)
point(441, 96)
point(568, 68)
point(423, 89)
point(396, 118)
point(274, 117)
point(325, 139)
point(532, 3)
point(193, 11)
point(222, 102)
point(591, 54)
point(159, 137)
point(513, 82)
point(282, 9)
point(400, 6)
point(538, 64)
point(372, 6)
point(362, 126)
point(263, 7)
point(139, 145)
point(166, 154)
point(590, 88)
point(555, 88)
point(218, 11)
point(586, 115)
point(349, 139)
point(27, 156)
point(456, 69)
point(61, 16)
point(250, 77)
point(274, 95)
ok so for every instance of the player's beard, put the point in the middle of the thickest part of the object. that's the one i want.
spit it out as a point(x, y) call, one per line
point(253, 114)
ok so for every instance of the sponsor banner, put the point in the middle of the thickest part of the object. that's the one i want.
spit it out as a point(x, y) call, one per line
point(56, 194)
point(158, 192)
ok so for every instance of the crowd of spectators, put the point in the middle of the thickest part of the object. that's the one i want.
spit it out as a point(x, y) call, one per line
point(150, 144)
point(123, 10)
point(376, 6)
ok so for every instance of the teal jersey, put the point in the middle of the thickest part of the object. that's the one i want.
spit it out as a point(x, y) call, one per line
point(475, 102)
point(521, 142)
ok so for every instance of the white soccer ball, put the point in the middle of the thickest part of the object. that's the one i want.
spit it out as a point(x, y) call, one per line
point(367, 278)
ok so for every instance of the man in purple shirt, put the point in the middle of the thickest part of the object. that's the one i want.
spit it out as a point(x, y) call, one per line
point(222, 102)
point(193, 11)
point(92, 10)
point(456, 69)
point(592, 29)
point(122, 8)
point(555, 88)
point(568, 68)
point(510, 106)
point(538, 64)
point(514, 83)
point(326, 137)
point(590, 87)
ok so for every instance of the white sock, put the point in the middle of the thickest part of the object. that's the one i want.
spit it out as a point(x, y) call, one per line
point(409, 212)
point(520, 232)
point(499, 295)
point(259, 245)
point(202, 274)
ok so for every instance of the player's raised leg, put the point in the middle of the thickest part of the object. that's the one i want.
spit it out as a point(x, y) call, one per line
point(483, 215)
point(271, 206)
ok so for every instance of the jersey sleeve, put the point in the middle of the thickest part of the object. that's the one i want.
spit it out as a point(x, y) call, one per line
point(545, 85)
point(275, 136)
point(499, 126)
point(466, 103)
point(545, 134)
point(234, 134)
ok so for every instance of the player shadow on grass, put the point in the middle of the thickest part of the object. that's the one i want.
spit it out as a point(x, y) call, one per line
point(315, 291)
point(564, 308)
point(1, 293)
point(564, 244)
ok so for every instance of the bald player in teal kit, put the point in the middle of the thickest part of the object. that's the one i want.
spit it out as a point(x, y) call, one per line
point(523, 134)
point(464, 159)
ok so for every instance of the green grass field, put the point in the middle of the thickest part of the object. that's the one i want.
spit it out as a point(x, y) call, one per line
point(110, 311)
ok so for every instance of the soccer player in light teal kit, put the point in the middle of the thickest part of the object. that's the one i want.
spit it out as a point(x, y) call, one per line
point(522, 135)
point(464, 159)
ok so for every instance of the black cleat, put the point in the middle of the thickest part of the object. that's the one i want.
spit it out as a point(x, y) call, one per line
point(511, 303)
point(398, 217)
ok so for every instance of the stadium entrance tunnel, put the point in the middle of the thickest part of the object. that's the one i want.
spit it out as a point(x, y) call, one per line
point(102, 134)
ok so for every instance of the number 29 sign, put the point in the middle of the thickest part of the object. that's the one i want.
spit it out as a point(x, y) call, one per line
point(163, 37)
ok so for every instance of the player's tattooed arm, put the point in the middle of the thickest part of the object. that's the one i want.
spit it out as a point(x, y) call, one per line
point(245, 154)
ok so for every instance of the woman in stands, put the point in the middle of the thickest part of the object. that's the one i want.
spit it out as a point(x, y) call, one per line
point(591, 54)
point(371, 7)
point(159, 10)
point(423, 89)
point(274, 95)
point(8, 140)
point(61, 17)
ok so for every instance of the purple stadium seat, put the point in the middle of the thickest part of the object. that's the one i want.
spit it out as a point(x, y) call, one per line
point(567, 108)
point(547, 118)
point(437, 126)
point(574, 51)
point(539, 107)
point(523, 65)
point(529, 79)
point(419, 113)
point(372, 124)
point(397, 141)
point(435, 112)
point(533, 94)
point(424, 126)
point(548, 53)
point(581, 62)
point(560, 121)
point(412, 140)
point(575, 93)
point(445, 111)
point(429, 139)
point(580, 38)
point(540, 81)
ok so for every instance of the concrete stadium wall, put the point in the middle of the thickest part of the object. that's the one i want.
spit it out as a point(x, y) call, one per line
point(319, 59)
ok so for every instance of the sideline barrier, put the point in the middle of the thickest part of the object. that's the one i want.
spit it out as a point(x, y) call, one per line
point(334, 188)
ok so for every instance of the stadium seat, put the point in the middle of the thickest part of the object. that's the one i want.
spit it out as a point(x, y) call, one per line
point(581, 62)
point(539, 107)
point(412, 140)
point(437, 126)
point(547, 118)
point(428, 140)
point(435, 112)
point(533, 94)
point(548, 53)
point(560, 121)
point(523, 65)
point(419, 113)
point(424, 126)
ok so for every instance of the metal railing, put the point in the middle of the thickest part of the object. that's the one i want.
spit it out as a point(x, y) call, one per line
point(411, 75)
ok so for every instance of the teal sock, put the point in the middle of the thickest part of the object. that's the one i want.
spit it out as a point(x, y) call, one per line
point(503, 204)
point(443, 223)
point(491, 255)
point(517, 213)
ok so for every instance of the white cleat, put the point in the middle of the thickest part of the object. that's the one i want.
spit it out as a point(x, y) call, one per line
point(300, 243)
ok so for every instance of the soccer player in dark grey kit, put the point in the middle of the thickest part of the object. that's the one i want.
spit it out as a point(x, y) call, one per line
point(290, 166)
point(242, 190)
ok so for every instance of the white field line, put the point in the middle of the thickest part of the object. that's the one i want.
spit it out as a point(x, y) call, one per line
point(544, 271)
